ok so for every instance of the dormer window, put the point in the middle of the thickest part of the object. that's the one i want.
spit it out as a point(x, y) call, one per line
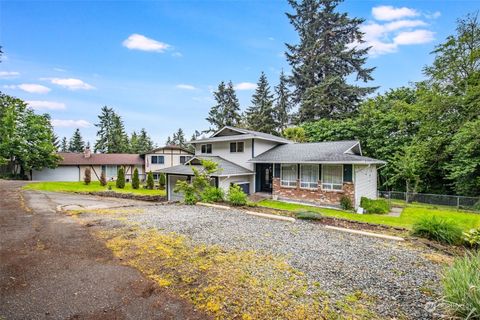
point(236, 146)
point(206, 148)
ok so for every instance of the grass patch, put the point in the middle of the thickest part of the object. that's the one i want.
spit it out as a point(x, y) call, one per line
point(438, 229)
point(308, 215)
point(229, 284)
point(94, 186)
point(409, 216)
point(461, 286)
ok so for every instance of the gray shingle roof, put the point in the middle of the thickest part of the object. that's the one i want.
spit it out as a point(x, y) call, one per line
point(318, 152)
point(245, 134)
point(227, 168)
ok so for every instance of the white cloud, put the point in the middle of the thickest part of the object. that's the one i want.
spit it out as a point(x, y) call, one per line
point(414, 37)
point(434, 15)
point(9, 74)
point(140, 42)
point(70, 83)
point(185, 87)
point(245, 86)
point(387, 13)
point(45, 105)
point(59, 69)
point(29, 87)
point(70, 123)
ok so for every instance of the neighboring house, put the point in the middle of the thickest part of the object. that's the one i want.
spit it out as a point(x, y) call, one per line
point(165, 157)
point(319, 173)
point(72, 166)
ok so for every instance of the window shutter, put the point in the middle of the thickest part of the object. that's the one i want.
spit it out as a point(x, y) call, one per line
point(276, 171)
point(347, 173)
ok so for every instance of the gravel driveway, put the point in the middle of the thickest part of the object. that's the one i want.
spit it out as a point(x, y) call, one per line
point(394, 273)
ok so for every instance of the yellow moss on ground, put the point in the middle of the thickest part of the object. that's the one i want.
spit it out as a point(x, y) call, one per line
point(229, 284)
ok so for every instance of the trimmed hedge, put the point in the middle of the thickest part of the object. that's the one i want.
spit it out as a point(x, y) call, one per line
point(378, 206)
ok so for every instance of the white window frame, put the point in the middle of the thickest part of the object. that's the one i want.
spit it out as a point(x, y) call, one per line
point(236, 147)
point(308, 185)
point(330, 186)
point(288, 183)
point(206, 144)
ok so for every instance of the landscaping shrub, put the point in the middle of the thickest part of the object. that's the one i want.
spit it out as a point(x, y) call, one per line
point(309, 215)
point(476, 206)
point(441, 230)
point(135, 179)
point(472, 238)
point(150, 182)
point(346, 203)
point(188, 191)
point(120, 183)
point(88, 176)
point(161, 180)
point(103, 179)
point(212, 194)
point(461, 286)
point(236, 196)
point(378, 206)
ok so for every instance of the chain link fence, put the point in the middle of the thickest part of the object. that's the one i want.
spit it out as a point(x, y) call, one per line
point(435, 199)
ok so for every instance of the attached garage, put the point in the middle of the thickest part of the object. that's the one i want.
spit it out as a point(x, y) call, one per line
point(172, 181)
point(61, 173)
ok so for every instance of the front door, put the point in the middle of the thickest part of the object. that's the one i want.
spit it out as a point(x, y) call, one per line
point(265, 175)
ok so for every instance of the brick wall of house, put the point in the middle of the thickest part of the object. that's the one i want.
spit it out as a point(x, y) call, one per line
point(313, 195)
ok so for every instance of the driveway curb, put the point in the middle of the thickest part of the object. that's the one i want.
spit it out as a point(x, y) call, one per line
point(252, 213)
point(364, 233)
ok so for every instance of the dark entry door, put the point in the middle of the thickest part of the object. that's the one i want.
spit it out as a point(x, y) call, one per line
point(265, 176)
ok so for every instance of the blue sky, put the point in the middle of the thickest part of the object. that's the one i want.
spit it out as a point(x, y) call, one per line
point(157, 62)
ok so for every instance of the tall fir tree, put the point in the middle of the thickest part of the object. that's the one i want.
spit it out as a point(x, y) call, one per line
point(145, 143)
point(169, 141)
point(76, 143)
point(64, 145)
point(134, 143)
point(328, 53)
point(283, 104)
point(226, 112)
point(111, 136)
point(260, 115)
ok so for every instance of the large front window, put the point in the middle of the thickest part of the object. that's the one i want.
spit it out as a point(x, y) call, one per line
point(309, 176)
point(206, 148)
point(158, 160)
point(332, 177)
point(288, 175)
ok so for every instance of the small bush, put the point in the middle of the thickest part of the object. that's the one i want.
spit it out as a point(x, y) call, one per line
point(188, 191)
point(441, 230)
point(346, 203)
point(103, 179)
point(212, 194)
point(135, 179)
point(378, 206)
point(472, 238)
point(120, 183)
point(461, 286)
point(236, 196)
point(161, 180)
point(150, 182)
point(309, 215)
point(88, 176)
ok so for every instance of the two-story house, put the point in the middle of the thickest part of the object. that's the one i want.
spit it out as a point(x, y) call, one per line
point(319, 173)
point(165, 157)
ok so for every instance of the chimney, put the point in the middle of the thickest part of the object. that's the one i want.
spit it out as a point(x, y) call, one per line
point(87, 153)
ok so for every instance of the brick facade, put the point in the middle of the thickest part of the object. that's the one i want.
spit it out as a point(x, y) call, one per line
point(313, 195)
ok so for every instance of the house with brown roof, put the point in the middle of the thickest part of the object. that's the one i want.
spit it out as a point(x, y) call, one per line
point(73, 165)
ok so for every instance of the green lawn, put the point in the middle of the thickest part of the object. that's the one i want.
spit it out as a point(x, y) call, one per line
point(409, 216)
point(94, 186)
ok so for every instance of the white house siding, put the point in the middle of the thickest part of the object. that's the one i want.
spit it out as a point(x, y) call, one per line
point(171, 158)
point(365, 182)
point(172, 181)
point(224, 182)
point(263, 145)
point(61, 173)
point(93, 170)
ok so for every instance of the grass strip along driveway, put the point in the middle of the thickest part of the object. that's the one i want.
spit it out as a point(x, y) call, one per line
point(94, 186)
point(411, 214)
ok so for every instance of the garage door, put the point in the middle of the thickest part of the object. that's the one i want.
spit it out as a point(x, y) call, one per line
point(64, 173)
point(172, 180)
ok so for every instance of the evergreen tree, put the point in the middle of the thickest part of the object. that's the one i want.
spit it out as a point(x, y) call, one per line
point(169, 141)
point(88, 176)
point(260, 115)
point(111, 136)
point(283, 104)
point(64, 145)
point(227, 110)
point(145, 143)
point(120, 183)
point(135, 179)
point(103, 179)
point(150, 182)
point(179, 138)
point(324, 58)
point(134, 143)
point(76, 143)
